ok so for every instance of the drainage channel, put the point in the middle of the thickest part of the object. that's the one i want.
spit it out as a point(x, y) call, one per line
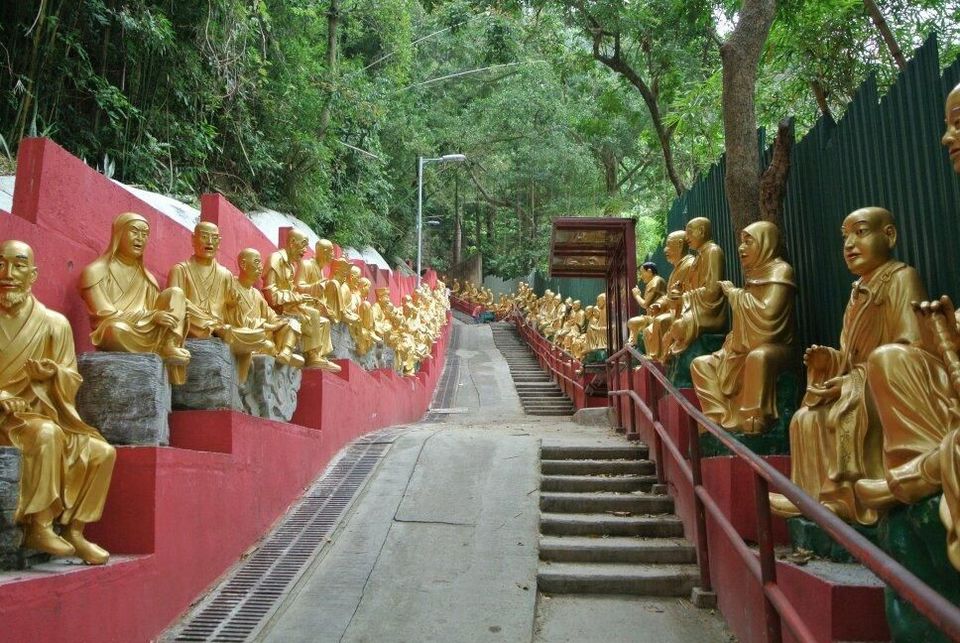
point(239, 607)
point(449, 381)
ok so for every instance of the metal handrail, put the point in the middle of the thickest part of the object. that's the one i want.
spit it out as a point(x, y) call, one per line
point(551, 355)
point(941, 612)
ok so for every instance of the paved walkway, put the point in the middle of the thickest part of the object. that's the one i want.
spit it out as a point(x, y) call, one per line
point(442, 544)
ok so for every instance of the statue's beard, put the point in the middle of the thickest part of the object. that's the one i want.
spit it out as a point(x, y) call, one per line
point(13, 298)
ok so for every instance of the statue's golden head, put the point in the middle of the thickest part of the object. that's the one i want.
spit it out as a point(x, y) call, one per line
point(869, 235)
point(250, 264)
point(128, 238)
point(951, 137)
point(206, 240)
point(296, 245)
point(364, 285)
point(699, 231)
point(675, 246)
point(18, 272)
point(383, 294)
point(324, 251)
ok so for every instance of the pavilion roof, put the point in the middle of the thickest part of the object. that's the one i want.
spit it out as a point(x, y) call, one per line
point(584, 246)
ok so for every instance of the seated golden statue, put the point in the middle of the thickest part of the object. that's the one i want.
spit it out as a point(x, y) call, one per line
point(654, 287)
point(346, 300)
point(597, 326)
point(209, 289)
point(917, 389)
point(572, 324)
point(737, 384)
point(249, 311)
point(663, 311)
point(279, 289)
point(66, 465)
point(703, 307)
point(310, 281)
point(128, 311)
point(835, 437)
point(364, 333)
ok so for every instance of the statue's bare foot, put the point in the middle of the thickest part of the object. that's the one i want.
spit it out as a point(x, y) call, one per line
point(783, 507)
point(288, 357)
point(874, 493)
point(316, 361)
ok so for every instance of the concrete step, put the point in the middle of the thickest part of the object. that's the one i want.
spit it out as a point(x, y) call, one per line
point(616, 549)
point(599, 502)
point(596, 467)
point(613, 452)
point(549, 412)
point(572, 484)
point(613, 578)
point(602, 524)
point(541, 398)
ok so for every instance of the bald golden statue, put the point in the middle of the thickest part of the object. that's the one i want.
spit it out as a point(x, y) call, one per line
point(737, 384)
point(597, 326)
point(249, 311)
point(280, 291)
point(836, 437)
point(364, 333)
point(703, 307)
point(210, 290)
point(664, 310)
point(917, 389)
point(311, 281)
point(66, 464)
point(654, 287)
point(128, 311)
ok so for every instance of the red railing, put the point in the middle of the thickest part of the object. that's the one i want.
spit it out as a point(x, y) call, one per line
point(778, 608)
point(560, 363)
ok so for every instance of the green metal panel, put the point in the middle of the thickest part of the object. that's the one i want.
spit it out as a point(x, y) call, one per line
point(586, 290)
point(883, 152)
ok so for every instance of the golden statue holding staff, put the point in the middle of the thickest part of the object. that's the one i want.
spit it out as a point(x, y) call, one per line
point(664, 310)
point(703, 307)
point(654, 287)
point(280, 292)
point(66, 464)
point(835, 438)
point(737, 384)
point(128, 311)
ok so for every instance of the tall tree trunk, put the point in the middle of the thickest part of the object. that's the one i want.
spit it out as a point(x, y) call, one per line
point(491, 215)
point(333, 21)
point(773, 181)
point(740, 55)
point(821, 95)
point(477, 228)
point(610, 167)
point(881, 24)
point(457, 223)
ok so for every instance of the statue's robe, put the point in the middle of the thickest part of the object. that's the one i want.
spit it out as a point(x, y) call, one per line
point(66, 464)
point(737, 384)
point(653, 333)
point(310, 280)
point(280, 292)
point(653, 291)
point(704, 308)
point(834, 443)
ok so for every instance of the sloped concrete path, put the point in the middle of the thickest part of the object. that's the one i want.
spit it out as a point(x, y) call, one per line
point(442, 543)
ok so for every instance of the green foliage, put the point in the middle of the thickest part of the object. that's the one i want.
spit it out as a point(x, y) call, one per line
point(239, 97)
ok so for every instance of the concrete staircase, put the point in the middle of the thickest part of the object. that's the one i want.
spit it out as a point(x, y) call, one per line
point(602, 529)
point(539, 395)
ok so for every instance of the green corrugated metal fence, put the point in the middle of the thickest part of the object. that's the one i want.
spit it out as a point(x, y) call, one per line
point(885, 152)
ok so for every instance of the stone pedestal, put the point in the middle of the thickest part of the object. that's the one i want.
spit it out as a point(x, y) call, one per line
point(11, 535)
point(678, 367)
point(211, 378)
point(126, 396)
point(270, 390)
point(345, 348)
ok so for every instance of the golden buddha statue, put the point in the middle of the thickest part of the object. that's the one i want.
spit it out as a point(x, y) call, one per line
point(383, 312)
point(279, 289)
point(209, 289)
point(66, 465)
point(247, 310)
point(835, 437)
point(703, 306)
point(572, 324)
point(737, 384)
point(654, 287)
point(310, 281)
point(346, 300)
point(664, 310)
point(917, 388)
point(365, 337)
point(597, 326)
point(128, 311)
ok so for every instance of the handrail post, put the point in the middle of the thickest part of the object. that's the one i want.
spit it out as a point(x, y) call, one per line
point(768, 563)
point(631, 385)
point(703, 552)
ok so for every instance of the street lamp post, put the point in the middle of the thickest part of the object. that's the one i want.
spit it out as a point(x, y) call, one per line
point(421, 161)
